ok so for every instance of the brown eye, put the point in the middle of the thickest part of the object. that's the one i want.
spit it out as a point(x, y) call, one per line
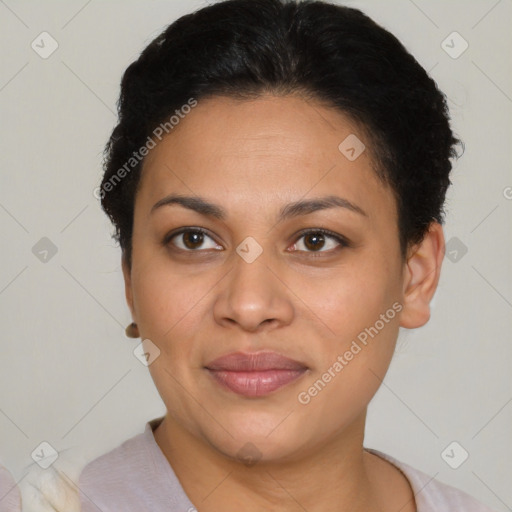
point(192, 240)
point(314, 241)
point(319, 240)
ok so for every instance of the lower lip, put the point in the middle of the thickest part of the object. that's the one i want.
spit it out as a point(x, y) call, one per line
point(256, 383)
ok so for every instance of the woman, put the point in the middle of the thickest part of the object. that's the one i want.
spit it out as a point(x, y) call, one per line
point(277, 181)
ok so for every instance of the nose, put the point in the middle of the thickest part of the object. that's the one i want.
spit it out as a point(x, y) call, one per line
point(253, 296)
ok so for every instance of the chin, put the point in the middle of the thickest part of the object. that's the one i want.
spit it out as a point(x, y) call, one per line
point(258, 449)
point(256, 438)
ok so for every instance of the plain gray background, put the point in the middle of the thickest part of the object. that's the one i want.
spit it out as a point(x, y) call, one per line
point(68, 375)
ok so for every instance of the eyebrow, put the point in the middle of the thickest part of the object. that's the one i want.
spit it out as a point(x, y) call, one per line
point(295, 209)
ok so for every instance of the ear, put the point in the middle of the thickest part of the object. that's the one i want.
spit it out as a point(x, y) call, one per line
point(128, 285)
point(422, 272)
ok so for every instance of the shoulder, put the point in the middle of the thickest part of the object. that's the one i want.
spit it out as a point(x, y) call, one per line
point(104, 482)
point(104, 469)
point(432, 495)
point(134, 476)
point(10, 500)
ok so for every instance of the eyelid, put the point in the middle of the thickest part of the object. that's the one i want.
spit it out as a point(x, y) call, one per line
point(167, 239)
point(340, 239)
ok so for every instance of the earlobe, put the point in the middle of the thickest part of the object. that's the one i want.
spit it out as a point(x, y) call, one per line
point(128, 285)
point(422, 272)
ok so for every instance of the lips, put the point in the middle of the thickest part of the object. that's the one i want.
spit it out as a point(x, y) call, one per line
point(255, 361)
point(255, 374)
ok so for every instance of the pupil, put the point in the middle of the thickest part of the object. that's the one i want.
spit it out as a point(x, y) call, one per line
point(318, 241)
point(193, 239)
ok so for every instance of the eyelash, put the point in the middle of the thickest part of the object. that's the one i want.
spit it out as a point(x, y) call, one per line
point(343, 242)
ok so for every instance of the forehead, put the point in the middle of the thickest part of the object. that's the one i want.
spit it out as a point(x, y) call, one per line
point(270, 126)
point(272, 149)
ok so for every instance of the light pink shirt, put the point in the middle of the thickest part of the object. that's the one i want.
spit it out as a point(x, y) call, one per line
point(10, 499)
point(136, 476)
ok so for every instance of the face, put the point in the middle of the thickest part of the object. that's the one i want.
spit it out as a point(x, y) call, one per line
point(258, 274)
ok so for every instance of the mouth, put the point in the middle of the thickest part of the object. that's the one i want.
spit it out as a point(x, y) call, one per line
point(255, 374)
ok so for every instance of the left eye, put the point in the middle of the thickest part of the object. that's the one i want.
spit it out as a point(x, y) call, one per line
point(315, 241)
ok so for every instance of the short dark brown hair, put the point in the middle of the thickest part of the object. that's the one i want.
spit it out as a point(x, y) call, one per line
point(335, 54)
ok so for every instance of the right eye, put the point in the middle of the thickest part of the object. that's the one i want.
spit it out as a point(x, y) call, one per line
point(190, 240)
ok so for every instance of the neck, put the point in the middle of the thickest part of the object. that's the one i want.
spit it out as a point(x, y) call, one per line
point(332, 477)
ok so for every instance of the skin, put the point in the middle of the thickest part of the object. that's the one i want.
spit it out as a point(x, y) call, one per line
point(305, 301)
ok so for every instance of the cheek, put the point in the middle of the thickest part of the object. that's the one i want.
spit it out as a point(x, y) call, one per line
point(353, 363)
point(352, 299)
point(365, 330)
point(165, 293)
point(361, 307)
point(335, 398)
point(169, 306)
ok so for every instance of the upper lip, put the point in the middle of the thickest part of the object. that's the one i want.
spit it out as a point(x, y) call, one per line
point(254, 361)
